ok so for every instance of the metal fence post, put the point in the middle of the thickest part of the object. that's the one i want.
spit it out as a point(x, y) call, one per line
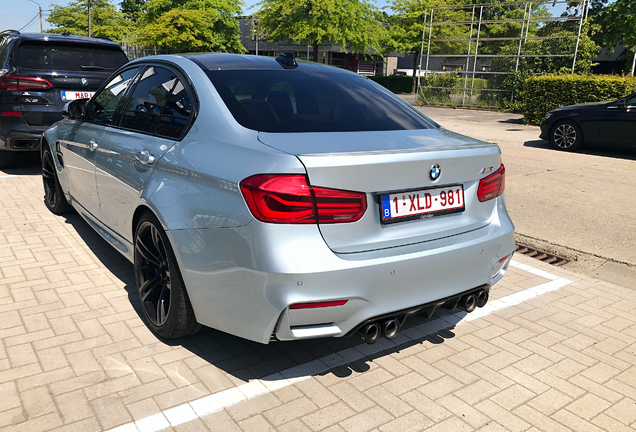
point(578, 38)
point(470, 39)
point(419, 71)
point(525, 9)
point(430, 32)
point(472, 85)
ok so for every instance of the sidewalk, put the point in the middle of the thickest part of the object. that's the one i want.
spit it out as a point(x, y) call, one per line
point(552, 350)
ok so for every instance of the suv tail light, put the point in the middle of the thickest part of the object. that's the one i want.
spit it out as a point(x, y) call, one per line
point(492, 186)
point(13, 83)
point(284, 198)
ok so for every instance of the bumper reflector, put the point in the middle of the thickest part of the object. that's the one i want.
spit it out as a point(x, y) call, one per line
point(314, 305)
point(504, 258)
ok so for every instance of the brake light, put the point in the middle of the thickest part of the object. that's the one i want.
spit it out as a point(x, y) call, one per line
point(284, 198)
point(14, 83)
point(492, 186)
point(12, 113)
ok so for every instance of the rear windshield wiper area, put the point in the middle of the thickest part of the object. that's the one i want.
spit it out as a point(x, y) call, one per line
point(92, 68)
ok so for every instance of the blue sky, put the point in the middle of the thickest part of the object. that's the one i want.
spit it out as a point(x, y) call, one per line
point(17, 13)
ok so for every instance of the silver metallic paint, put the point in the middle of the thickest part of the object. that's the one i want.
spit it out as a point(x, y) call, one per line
point(241, 274)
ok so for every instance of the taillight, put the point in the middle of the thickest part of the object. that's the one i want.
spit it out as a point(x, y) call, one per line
point(284, 198)
point(13, 83)
point(492, 186)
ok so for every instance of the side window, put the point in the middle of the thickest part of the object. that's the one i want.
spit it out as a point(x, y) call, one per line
point(148, 98)
point(103, 107)
point(176, 113)
point(631, 102)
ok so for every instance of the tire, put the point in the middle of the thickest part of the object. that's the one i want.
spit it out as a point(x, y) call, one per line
point(7, 159)
point(567, 136)
point(54, 198)
point(162, 293)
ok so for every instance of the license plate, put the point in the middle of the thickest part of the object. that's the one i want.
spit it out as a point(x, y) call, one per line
point(72, 95)
point(421, 204)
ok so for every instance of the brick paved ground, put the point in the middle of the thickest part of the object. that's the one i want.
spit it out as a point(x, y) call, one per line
point(75, 355)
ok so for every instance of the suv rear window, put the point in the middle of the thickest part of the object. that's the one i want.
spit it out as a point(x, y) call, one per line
point(310, 101)
point(68, 57)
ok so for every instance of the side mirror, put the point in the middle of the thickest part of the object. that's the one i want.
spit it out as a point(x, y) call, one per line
point(622, 104)
point(75, 109)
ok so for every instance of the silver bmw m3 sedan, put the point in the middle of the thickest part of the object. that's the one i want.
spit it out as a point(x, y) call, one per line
point(275, 199)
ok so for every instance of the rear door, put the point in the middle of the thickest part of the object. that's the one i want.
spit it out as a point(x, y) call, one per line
point(57, 72)
point(84, 137)
point(153, 118)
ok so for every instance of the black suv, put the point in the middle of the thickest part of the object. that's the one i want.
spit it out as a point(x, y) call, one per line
point(39, 73)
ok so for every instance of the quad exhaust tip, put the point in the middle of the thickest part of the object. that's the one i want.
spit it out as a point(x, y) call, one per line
point(391, 327)
point(371, 333)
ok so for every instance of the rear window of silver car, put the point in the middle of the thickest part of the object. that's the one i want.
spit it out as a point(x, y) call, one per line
point(310, 101)
point(69, 57)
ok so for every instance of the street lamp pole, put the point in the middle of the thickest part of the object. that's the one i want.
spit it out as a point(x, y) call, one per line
point(40, 9)
point(89, 18)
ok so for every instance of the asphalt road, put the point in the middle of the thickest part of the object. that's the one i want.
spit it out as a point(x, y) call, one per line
point(585, 201)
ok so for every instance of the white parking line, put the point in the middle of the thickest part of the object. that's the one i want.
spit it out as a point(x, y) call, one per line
point(216, 402)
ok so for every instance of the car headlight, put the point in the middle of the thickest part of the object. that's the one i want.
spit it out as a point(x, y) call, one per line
point(547, 116)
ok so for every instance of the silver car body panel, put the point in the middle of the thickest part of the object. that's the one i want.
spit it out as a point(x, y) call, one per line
point(242, 274)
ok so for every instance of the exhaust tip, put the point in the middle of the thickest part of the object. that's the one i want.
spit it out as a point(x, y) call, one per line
point(390, 328)
point(468, 303)
point(371, 333)
point(482, 298)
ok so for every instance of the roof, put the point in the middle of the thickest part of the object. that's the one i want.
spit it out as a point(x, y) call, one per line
point(55, 37)
point(222, 61)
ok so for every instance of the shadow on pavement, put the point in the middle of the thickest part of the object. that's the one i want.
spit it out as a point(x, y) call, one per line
point(238, 357)
point(620, 153)
point(25, 164)
point(512, 121)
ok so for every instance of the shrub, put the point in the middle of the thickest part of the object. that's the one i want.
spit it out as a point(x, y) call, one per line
point(545, 93)
point(397, 84)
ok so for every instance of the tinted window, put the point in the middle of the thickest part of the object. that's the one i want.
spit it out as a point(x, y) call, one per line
point(103, 107)
point(66, 57)
point(176, 113)
point(144, 107)
point(631, 100)
point(309, 101)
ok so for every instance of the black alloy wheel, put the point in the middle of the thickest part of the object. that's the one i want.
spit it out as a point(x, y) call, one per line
point(54, 198)
point(162, 294)
point(566, 135)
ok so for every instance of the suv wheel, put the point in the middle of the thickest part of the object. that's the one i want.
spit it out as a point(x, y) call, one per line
point(53, 195)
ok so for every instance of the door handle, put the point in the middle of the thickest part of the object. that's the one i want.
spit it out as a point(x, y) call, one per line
point(92, 145)
point(145, 157)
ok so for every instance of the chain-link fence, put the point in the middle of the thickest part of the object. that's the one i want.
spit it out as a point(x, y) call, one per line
point(479, 55)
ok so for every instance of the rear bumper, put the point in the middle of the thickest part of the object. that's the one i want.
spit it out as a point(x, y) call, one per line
point(18, 136)
point(242, 280)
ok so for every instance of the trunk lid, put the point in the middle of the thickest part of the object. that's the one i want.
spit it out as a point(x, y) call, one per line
point(384, 162)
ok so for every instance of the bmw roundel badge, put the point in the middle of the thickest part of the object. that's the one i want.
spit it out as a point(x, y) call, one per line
point(435, 172)
point(84, 81)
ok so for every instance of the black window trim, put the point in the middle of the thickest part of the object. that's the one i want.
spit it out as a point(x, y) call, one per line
point(91, 102)
point(187, 84)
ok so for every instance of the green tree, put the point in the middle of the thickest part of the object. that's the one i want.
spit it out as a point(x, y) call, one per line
point(106, 20)
point(133, 9)
point(614, 23)
point(192, 25)
point(353, 24)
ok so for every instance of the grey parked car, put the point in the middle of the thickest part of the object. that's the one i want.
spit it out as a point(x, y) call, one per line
point(279, 200)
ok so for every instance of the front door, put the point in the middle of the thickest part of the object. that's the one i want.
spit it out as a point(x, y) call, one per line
point(81, 142)
point(152, 120)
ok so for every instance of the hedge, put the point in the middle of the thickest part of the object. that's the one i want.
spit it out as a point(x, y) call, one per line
point(397, 84)
point(545, 93)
